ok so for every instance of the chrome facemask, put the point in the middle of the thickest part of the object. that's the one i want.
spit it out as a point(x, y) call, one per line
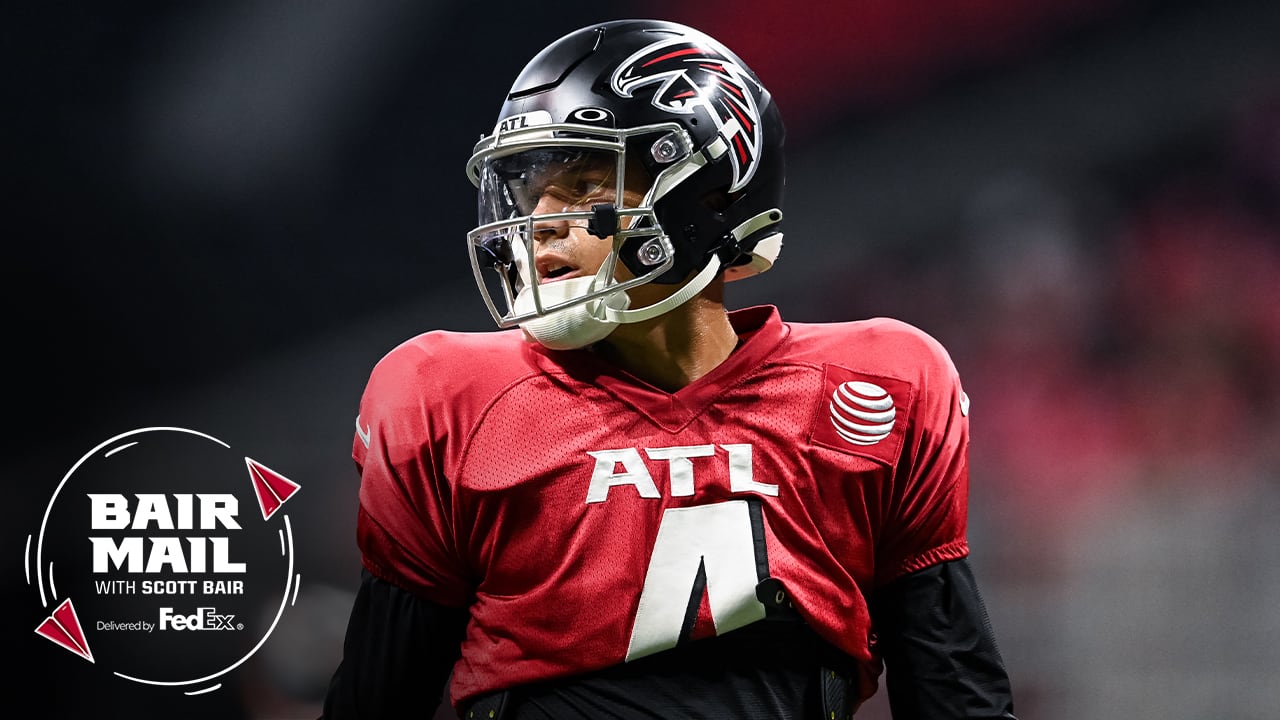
point(571, 173)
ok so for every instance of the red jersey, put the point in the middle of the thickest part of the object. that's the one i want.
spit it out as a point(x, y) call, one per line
point(588, 518)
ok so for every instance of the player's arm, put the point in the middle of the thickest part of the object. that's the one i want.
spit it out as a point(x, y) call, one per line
point(940, 655)
point(398, 653)
point(407, 623)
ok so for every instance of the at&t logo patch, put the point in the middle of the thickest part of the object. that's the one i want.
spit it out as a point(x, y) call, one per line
point(862, 414)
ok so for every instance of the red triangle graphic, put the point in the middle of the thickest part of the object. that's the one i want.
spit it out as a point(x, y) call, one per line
point(63, 627)
point(66, 617)
point(271, 487)
point(266, 499)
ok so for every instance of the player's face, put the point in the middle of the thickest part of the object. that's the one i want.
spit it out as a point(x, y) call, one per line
point(563, 247)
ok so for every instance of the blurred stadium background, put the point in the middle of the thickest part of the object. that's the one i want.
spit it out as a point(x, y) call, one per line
point(223, 213)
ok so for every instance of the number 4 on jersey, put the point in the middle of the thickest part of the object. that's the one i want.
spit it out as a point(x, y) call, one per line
point(723, 542)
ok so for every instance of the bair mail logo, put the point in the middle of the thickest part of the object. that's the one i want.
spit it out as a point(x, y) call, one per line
point(164, 558)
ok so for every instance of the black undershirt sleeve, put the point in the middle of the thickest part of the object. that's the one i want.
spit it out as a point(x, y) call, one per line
point(397, 655)
point(940, 655)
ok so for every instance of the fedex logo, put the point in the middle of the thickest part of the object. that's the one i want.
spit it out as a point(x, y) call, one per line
point(626, 466)
point(205, 618)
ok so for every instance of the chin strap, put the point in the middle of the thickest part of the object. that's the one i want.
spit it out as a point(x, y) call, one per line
point(676, 299)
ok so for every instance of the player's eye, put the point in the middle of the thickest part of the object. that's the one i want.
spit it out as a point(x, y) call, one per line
point(580, 191)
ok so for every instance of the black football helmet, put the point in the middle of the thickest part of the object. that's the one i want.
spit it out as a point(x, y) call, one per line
point(686, 146)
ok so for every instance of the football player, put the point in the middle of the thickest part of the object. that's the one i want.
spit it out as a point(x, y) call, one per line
point(628, 501)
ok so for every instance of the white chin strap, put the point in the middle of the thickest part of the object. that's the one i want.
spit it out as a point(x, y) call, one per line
point(671, 302)
point(575, 326)
point(590, 322)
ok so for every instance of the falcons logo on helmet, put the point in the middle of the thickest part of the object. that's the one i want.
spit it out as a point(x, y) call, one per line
point(690, 74)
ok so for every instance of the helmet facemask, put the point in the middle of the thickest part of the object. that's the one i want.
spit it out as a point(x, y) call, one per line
point(596, 184)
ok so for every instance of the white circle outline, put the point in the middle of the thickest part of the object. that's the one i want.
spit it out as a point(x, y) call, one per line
point(287, 533)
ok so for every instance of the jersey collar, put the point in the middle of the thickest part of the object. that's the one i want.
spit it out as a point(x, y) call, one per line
point(760, 329)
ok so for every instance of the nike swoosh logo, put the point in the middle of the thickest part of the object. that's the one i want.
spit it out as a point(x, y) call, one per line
point(964, 405)
point(364, 433)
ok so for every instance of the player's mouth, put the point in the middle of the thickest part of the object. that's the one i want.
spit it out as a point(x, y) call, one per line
point(553, 269)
